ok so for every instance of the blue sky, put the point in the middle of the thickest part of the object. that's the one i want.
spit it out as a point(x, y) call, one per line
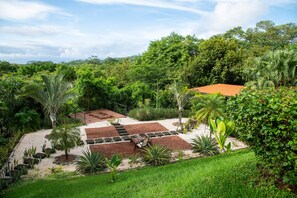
point(63, 30)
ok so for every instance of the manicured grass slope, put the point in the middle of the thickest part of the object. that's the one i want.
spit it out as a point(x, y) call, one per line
point(218, 176)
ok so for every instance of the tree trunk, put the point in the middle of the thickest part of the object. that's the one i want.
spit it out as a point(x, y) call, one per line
point(180, 119)
point(53, 120)
point(66, 154)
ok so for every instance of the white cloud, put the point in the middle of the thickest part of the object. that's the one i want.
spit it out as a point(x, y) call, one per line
point(42, 30)
point(150, 3)
point(23, 10)
point(229, 14)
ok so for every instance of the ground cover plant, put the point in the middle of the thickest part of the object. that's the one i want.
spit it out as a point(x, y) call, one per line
point(227, 175)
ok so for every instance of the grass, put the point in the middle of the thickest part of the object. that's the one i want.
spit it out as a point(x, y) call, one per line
point(228, 175)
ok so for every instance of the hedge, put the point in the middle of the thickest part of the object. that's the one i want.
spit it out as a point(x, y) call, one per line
point(267, 121)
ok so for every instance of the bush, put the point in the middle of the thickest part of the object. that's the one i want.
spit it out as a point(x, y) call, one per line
point(156, 155)
point(149, 113)
point(267, 121)
point(90, 162)
point(205, 145)
point(7, 148)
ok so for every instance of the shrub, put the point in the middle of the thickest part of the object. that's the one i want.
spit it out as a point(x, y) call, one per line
point(156, 155)
point(267, 121)
point(90, 162)
point(5, 149)
point(205, 145)
point(149, 113)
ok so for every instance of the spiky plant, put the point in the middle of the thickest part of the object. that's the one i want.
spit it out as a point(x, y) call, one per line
point(205, 145)
point(156, 155)
point(90, 162)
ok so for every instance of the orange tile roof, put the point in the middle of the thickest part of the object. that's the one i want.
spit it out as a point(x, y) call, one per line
point(224, 89)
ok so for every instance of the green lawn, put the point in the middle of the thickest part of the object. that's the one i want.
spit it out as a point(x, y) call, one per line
point(219, 176)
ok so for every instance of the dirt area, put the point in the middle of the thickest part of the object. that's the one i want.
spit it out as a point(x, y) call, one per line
point(88, 117)
point(62, 159)
point(172, 143)
point(144, 128)
point(109, 131)
point(125, 149)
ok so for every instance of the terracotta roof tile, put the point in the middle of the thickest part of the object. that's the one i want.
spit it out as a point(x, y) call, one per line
point(224, 89)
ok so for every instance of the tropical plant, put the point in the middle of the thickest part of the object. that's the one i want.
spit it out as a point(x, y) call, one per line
point(90, 162)
point(211, 106)
point(55, 94)
point(205, 145)
point(182, 95)
point(112, 165)
point(221, 130)
point(64, 138)
point(156, 155)
point(273, 69)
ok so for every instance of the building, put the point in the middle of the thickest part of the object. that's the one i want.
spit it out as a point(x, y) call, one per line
point(224, 89)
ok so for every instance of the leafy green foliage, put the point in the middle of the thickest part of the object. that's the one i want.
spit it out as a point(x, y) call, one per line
point(112, 165)
point(55, 94)
point(221, 130)
point(219, 60)
point(28, 119)
point(205, 145)
point(64, 138)
point(275, 68)
point(211, 106)
point(156, 155)
point(267, 120)
point(149, 113)
point(90, 162)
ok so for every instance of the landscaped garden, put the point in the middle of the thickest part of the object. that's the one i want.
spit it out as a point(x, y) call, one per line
point(55, 143)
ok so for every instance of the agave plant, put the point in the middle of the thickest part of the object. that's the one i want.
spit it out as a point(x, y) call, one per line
point(205, 145)
point(90, 162)
point(156, 155)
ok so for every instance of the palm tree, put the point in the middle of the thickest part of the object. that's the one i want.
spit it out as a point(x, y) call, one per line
point(275, 68)
point(64, 138)
point(182, 95)
point(55, 93)
point(212, 106)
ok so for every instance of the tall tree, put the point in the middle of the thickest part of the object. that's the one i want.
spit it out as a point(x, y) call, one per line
point(55, 93)
point(182, 94)
point(219, 60)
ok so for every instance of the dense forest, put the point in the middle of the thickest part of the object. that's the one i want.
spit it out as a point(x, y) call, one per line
point(236, 57)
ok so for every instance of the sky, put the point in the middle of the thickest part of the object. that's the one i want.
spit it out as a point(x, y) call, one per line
point(64, 30)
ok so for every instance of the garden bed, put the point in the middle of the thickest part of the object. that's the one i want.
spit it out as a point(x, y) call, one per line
point(144, 128)
point(96, 115)
point(172, 143)
point(109, 131)
point(126, 149)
